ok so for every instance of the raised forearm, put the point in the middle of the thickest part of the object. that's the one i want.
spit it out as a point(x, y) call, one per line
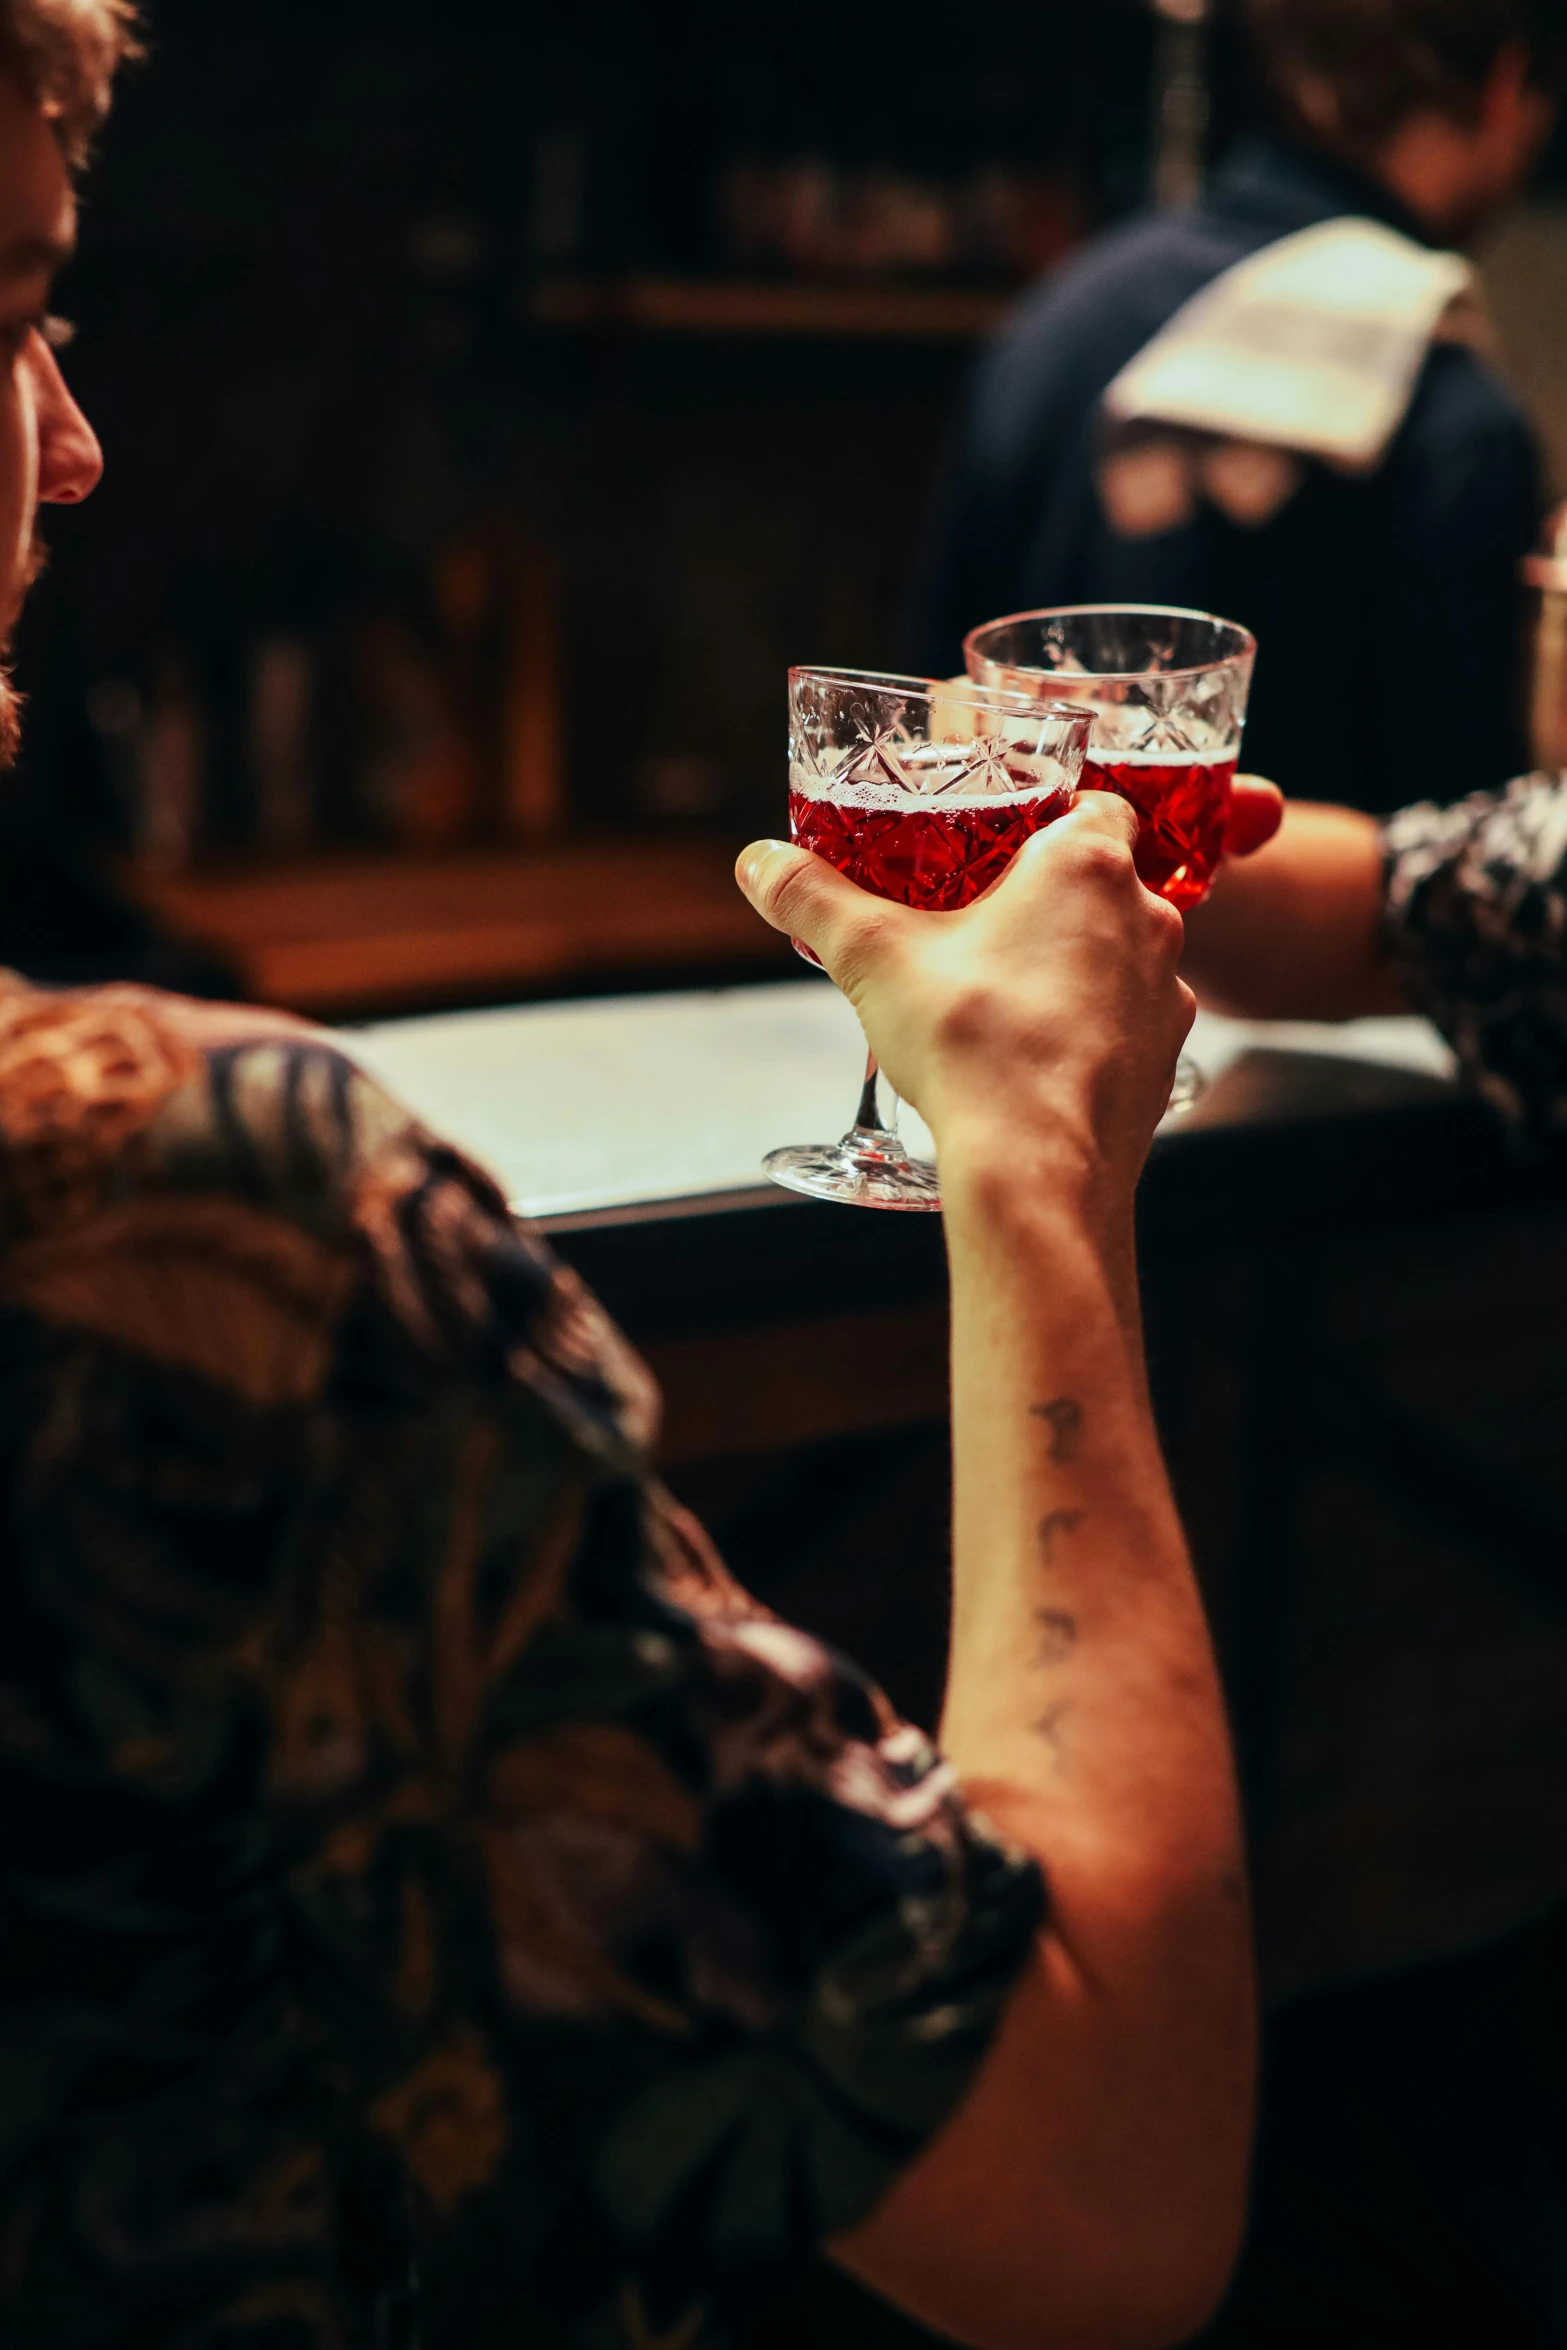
point(1295, 932)
point(1111, 2127)
point(1091, 2188)
point(1085, 1711)
point(1082, 1675)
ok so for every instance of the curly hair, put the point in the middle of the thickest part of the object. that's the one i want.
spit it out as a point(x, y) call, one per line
point(65, 54)
point(1368, 65)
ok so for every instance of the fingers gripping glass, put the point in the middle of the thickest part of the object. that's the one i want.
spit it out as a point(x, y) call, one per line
point(922, 793)
point(1168, 691)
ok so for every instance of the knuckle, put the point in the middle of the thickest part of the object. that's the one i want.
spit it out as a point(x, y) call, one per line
point(1108, 813)
point(1167, 928)
point(1102, 858)
point(1041, 855)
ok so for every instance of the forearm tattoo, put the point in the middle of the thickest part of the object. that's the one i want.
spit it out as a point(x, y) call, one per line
point(1064, 1419)
point(1051, 1727)
point(1052, 1528)
point(1063, 1416)
point(1057, 1635)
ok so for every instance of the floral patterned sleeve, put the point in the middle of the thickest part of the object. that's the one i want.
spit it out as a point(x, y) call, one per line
point(1477, 924)
point(435, 1902)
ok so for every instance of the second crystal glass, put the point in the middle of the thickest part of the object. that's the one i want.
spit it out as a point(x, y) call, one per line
point(922, 793)
point(1168, 690)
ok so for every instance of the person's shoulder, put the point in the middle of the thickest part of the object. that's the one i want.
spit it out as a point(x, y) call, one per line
point(1129, 281)
point(229, 1192)
point(1072, 333)
point(1463, 405)
point(127, 1087)
point(139, 1123)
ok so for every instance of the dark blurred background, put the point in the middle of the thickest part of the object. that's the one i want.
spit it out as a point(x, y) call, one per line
point(497, 397)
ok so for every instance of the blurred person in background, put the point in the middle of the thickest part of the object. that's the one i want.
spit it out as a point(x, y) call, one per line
point(1320, 446)
point(438, 1906)
point(1412, 2186)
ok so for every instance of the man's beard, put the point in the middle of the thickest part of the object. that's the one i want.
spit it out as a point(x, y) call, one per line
point(10, 723)
point(12, 703)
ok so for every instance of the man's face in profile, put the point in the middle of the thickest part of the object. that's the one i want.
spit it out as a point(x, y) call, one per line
point(48, 452)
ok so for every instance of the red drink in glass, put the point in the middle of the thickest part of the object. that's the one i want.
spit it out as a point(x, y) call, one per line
point(1185, 809)
point(921, 793)
point(937, 857)
point(1169, 692)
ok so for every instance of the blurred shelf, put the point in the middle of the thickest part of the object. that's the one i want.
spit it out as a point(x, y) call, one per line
point(763, 307)
point(353, 935)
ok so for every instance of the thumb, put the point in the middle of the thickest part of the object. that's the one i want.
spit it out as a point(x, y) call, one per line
point(807, 898)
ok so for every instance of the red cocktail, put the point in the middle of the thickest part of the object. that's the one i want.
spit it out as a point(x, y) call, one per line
point(922, 793)
point(935, 855)
point(1185, 808)
point(1168, 691)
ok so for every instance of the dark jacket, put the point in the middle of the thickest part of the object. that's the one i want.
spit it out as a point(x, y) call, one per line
point(1389, 611)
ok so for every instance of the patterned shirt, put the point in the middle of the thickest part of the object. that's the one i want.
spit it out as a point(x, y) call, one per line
point(1477, 924)
point(436, 1904)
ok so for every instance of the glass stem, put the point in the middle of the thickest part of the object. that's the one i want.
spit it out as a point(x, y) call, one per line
point(869, 1119)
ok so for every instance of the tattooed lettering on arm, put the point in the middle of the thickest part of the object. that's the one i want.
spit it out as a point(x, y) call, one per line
point(1064, 1419)
point(1051, 1727)
point(1059, 1522)
point(1057, 1635)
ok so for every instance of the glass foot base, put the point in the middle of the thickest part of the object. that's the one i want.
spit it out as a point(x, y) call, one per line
point(1190, 1085)
point(865, 1170)
point(871, 1169)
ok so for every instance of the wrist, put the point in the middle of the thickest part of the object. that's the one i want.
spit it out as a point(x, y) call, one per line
point(1034, 1187)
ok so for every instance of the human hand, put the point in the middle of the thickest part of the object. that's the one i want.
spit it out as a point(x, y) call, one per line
point(1041, 1023)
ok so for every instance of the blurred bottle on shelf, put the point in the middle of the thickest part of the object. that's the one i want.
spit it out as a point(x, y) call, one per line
point(418, 784)
point(898, 224)
point(463, 596)
point(533, 773)
point(1018, 224)
point(813, 219)
point(461, 718)
point(532, 720)
point(497, 595)
point(172, 769)
point(282, 743)
point(419, 710)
